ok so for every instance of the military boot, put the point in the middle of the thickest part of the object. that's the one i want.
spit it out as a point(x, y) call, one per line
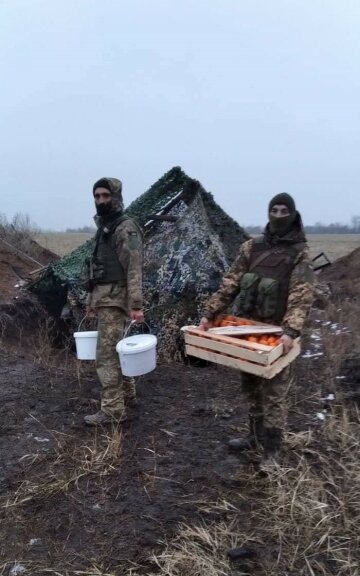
point(252, 439)
point(102, 419)
point(272, 442)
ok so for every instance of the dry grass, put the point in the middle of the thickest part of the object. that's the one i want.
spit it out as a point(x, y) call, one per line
point(303, 520)
point(47, 478)
point(35, 569)
point(72, 463)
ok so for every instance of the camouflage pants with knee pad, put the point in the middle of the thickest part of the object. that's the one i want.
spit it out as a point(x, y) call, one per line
point(267, 398)
point(111, 324)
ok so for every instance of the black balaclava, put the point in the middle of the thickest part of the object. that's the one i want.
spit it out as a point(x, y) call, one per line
point(281, 226)
point(116, 205)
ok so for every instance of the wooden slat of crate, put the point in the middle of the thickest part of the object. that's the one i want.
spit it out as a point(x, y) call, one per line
point(256, 330)
point(228, 349)
point(266, 372)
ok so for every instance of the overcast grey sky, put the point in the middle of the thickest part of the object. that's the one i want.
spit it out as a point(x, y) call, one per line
point(251, 97)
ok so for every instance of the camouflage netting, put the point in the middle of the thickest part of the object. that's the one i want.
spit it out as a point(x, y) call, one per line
point(189, 243)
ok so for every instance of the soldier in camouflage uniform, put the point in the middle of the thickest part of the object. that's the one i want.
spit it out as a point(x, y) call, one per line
point(115, 280)
point(271, 280)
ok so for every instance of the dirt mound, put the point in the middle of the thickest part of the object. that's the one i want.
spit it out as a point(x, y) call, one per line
point(344, 275)
point(16, 267)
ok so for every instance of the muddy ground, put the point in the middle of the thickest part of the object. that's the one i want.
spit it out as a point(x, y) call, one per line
point(74, 500)
point(73, 497)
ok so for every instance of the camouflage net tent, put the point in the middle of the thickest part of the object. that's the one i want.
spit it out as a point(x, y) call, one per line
point(189, 244)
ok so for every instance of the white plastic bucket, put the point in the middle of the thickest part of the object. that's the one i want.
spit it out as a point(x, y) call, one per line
point(86, 344)
point(137, 354)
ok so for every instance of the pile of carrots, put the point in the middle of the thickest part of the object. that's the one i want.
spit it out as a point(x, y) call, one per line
point(266, 339)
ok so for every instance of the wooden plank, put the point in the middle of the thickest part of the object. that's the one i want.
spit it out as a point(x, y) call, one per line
point(246, 330)
point(236, 351)
point(225, 360)
point(266, 372)
point(38, 270)
point(227, 339)
point(275, 353)
point(283, 361)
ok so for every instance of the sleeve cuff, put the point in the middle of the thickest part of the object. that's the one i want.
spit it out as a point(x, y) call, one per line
point(291, 332)
point(209, 315)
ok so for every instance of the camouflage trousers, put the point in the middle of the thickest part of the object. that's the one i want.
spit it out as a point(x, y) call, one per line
point(111, 324)
point(267, 398)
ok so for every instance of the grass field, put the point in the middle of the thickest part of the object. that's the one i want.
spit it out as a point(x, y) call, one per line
point(334, 245)
point(62, 243)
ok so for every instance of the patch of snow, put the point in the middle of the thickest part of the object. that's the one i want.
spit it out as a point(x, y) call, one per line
point(320, 416)
point(17, 569)
point(39, 439)
point(34, 541)
point(308, 354)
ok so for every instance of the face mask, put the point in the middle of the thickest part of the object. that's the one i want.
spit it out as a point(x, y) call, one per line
point(103, 209)
point(281, 226)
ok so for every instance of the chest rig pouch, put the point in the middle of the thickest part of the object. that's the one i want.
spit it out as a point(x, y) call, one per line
point(246, 300)
point(267, 298)
point(264, 289)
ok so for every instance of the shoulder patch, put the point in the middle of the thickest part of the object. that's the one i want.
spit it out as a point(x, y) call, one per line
point(134, 242)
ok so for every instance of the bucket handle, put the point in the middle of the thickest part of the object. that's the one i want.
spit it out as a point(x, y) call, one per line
point(81, 321)
point(131, 324)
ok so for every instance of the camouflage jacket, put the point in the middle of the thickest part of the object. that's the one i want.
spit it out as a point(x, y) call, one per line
point(127, 241)
point(300, 294)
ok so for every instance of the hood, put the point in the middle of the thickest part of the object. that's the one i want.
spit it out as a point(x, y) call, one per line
point(117, 205)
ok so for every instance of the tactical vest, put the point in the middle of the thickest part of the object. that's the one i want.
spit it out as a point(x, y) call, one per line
point(264, 288)
point(105, 267)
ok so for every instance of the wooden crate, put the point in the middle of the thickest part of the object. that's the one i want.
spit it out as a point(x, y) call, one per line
point(252, 357)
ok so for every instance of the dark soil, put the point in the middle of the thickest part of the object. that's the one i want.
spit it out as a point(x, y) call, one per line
point(344, 275)
point(17, 266)
point(75, 500)
point(66, 506)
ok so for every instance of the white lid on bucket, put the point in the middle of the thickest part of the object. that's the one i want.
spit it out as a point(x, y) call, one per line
point(137, 343)
point(91, 334)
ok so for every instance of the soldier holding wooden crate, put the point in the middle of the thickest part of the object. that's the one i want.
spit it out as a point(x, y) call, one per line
point(271, 281)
